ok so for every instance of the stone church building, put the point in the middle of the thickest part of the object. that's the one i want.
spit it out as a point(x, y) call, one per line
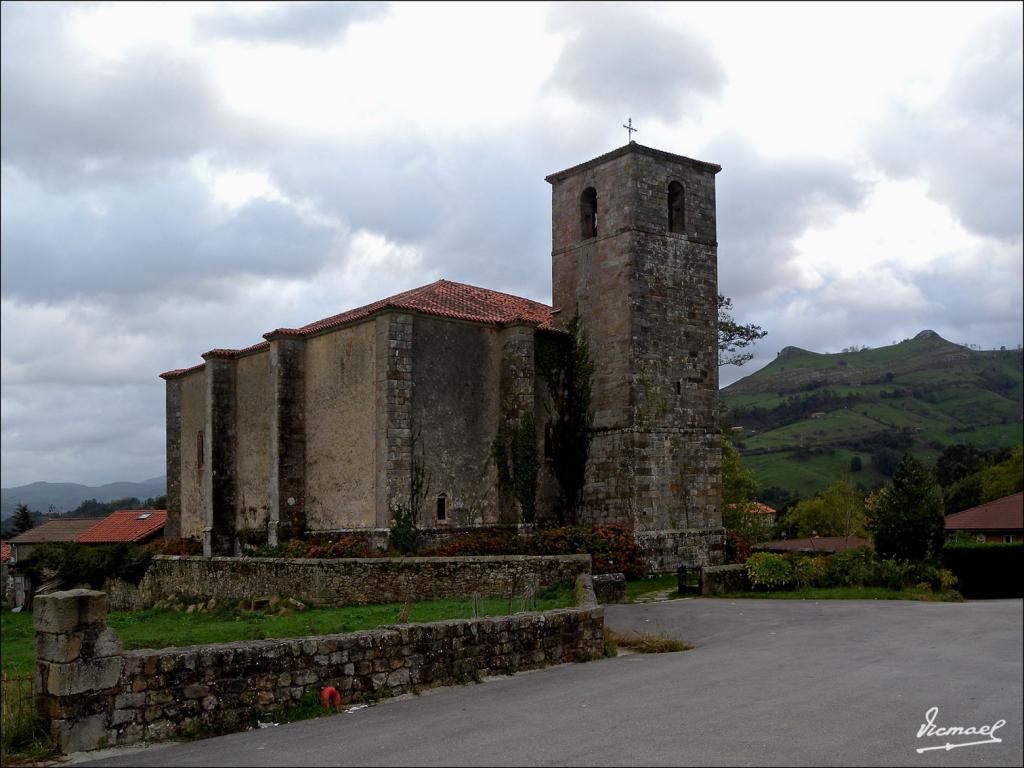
point(326, 427)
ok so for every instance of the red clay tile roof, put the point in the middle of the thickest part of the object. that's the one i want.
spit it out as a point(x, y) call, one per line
point(1005, 514)
point(56, 530)
point(126, 525)
point(5, 551)
point(815, 544)
point(444, 298)
point(755, 508)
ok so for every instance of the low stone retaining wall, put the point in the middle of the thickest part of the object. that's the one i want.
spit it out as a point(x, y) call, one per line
point(719, 579)
point(94, 693)
point(351, 581)
point(664, 551)
point(610, 588)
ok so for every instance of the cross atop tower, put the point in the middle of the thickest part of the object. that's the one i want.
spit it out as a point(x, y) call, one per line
point(630, 130)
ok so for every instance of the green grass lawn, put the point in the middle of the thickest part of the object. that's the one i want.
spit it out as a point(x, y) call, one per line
point(167, 629)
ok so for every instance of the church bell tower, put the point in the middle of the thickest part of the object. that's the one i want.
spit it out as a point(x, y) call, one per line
point(634, 250)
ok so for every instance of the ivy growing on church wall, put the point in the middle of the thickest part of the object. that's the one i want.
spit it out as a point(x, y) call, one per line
point(516, 458)
point(564, 363)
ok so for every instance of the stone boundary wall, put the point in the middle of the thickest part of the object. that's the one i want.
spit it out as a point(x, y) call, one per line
point(664, 551)
point(351, 581)
point(94, 693)
point(719, 579)
point(610, 588)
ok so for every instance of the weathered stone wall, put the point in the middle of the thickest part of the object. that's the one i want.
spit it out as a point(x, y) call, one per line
point(340, 428)
point(455, 417)
point(354, 581)
point(219, 476)
point(252, 498)
point(665, 551)
point(393, 412)
point(95, 693)
point(193, 422)
point(610, 588)
point(717, 580)
point(648, 302)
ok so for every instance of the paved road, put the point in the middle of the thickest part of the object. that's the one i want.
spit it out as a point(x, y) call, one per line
point(769, 683)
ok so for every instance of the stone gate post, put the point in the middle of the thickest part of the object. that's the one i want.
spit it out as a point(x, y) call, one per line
point(78, 663)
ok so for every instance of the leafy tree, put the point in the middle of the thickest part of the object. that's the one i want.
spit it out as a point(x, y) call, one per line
point(836, 511)
point(93, 508)
point(22, 519)
point(738, 483)
point(993, 482)
point(906, 515)
point(957, 462)
point(743, 528)
point(733, 337)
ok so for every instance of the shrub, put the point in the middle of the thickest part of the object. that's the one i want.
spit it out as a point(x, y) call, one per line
point(768, 571)
point(737, 547)
point(403, 529)
point(331, 548)
point(852, 568)
point(75, 563)
point(986, 570)
point(612, 548)
point(893, 574)
point(188, 547)
point(804, 571)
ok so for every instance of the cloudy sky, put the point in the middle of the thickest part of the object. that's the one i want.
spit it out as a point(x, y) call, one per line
point(187, 176)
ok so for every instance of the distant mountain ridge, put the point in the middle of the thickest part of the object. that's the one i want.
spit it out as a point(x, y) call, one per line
point(802, 419)
point(39, 496)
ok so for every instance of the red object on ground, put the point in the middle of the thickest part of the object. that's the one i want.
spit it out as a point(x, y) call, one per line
point(330, 697)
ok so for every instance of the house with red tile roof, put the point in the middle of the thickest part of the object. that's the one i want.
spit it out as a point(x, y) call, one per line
point(131, 526)
point(997, 522)
point(61, 529)
point(412, 400)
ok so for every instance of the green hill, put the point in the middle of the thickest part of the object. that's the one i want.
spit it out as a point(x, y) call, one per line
point(801, 420)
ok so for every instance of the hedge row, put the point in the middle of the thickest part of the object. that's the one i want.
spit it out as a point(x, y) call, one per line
point(854, 568)
point(986, 570)
point(612, 548)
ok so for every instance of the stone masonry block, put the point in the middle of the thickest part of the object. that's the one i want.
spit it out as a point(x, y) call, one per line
point(61, 648)
point(69, 610)
point(79, 735)
point(83, 676)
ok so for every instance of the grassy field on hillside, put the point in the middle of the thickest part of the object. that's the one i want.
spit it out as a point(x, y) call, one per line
point(919, 395)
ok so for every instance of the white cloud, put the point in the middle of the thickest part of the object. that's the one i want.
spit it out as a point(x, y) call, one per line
point(178, 177)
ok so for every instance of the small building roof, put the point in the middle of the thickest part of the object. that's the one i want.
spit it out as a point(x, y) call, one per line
point(1005, 514)
point(819, 544)
point(755, 508)
point(126, 525)
point(68, 529)
point(456, 301)
point(5, 551)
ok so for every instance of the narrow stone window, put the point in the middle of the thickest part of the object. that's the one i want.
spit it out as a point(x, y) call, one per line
point(588, 213)
point(442, 507)
point(548, 450)
point(679, 387)
point(676, 209)
point(199, 449)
